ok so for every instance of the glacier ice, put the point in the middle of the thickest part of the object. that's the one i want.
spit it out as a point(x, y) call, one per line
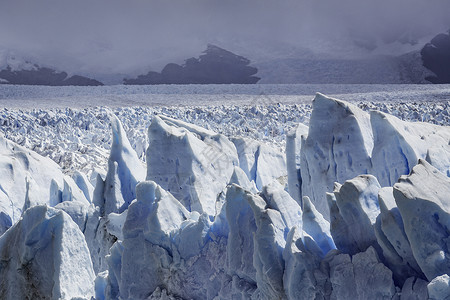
point(247, 149)
point(5, 222)
point(71, 192)
point(105, 217)
point(422, 199)
point(125, 170)
point(343, 142)
point(439, 287)
point(19, 166)
point(242, 227)
point(75, 137)
point(414, 289)
point(213, 217)
point(317, 227)
point(337, 148)
point(270, 166)
point(391, 236)
point(149, 223)
point(268, 241)
point(173, 244)
point(358, 208)
point(112, 199)
point(98, 238)
point(293, 149)
point(278, 199)
point(189, 162)
point(300, 280)
point(115, 222)
point(45, 255)
point(240, 178)
point(361, 276)
point(400, 144)
point(261, 164)
point(84, 184)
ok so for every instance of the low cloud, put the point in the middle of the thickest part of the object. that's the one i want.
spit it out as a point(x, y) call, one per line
point(130, 37)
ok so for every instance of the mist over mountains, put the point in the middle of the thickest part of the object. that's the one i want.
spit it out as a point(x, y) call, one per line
point(113, 40)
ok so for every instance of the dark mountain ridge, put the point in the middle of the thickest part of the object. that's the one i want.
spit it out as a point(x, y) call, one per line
point(43, 76)
point(214, 66)
point(436, 58)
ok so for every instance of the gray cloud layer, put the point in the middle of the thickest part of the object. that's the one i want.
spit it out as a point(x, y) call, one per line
point(111, 36)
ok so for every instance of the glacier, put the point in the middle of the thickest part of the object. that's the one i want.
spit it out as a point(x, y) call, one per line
point(45, 255)
point(355, 207)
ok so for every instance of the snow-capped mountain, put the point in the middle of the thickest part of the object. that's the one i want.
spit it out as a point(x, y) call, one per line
point(15, 69)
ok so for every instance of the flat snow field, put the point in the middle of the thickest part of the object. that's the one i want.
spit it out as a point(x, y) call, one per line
point(28, 97)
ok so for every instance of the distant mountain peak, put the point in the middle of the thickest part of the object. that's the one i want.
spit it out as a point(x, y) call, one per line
point(214, 66)
point(436, 58)
point(15, 69)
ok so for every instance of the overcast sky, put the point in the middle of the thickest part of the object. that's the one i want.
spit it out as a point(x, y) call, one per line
point(134, 36)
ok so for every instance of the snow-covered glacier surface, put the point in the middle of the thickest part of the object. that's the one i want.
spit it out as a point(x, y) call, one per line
point(323, 200)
